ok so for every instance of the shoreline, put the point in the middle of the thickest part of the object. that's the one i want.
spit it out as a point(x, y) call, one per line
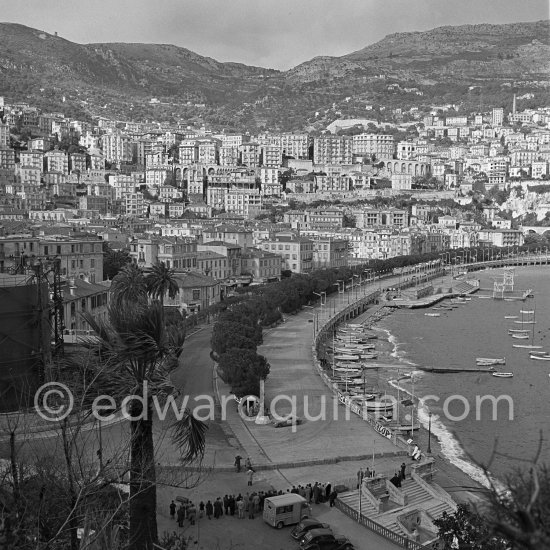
point(456, 480)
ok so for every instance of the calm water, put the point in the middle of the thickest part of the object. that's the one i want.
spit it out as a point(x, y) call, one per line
point(455, 339)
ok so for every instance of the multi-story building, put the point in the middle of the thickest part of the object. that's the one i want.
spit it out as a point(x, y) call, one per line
point(230, 234)
point(232, 252)
point(229, 155)
point(250, 154)
point(262, 265)
point(272, 156)
point(116, 147)
point(57, 161)
point(500, 237)
point(7, 159)
point(77, 162)
point(134, 204)
point(406, 150)
point(4, 135)
point(244, 201)
point(208, 151)
point(497, 116)
point(295, 145)
point(82, 298)
point(330, 252)
point(381, 146)
point(213, 264)
point(296, 252)
point(370, 217)
point(330, 149)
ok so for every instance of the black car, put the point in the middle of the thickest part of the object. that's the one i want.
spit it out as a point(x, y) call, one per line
point(324, 539)
point(307, 525)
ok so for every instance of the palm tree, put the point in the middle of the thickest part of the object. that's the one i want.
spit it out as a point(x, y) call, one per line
point(129, 286)
point(137, 353)
point(160, 280)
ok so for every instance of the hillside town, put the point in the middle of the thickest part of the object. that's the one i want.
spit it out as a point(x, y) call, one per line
point(231, 210)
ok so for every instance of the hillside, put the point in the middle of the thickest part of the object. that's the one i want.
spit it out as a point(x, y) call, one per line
point(118, 79)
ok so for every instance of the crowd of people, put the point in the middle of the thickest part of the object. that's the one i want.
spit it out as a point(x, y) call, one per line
point(248, 505)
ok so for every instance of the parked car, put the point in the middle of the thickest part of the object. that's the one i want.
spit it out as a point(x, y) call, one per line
point(290, 420)
point(324, 539)
point(307, 525)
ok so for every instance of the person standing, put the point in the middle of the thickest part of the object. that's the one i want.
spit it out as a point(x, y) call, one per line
point(403, 468)
point(209, 510)
point(226, 505)
point(240, 508)
point(181, 515)
point(316, 493)
point(218, 508)
point(328, 491)
point(192, 513)
point(201, 509)
point(251, 507)
point(172, 509)
point(332, 498)
point(359, 477)
point(247, 463)
point(308, 494)
point(238, 459)
point(232, 504)
point(250, 476)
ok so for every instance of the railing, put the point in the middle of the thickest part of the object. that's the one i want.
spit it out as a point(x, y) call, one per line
point(396, 538)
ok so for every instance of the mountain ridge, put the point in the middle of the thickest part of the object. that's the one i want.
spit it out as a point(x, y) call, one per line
point(120, 78)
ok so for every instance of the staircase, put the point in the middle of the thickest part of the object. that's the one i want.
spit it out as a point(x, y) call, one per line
point(351, 498)
point(415, 493)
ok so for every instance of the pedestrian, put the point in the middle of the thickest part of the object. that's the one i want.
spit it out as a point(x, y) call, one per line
point(316, 493)
point(172, 509)
point(256, 502)
point(308, 493)
point(238, 459)
point(218, 508)
point(240, 508)
point(226, 505)
point(251, 507)
point(328, 491)
point(359, 477)
point(250, 476)
point(247, 463)
point(181, 515)
point(209, 510)
point(201, 509)
point(192, 513)
point(367, 472)
point(332, 498)
point(403, 468)
point(232, 504)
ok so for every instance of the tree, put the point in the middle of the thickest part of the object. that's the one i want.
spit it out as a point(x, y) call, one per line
point(129, 286)
point(349, 221)
point(113, 260)
point(243, 369)
point(160, 281)
point(138, 353)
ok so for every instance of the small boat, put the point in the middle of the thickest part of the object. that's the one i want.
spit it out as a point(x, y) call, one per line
point(527, 311)
point(525, 322)
point(491, 360)
point(526, 346)
point(503, 374)
point(346, 357)
point(521, 336)
point(510, 316)
point(539, 357)
point(432, 314)
point(517, 331)
point(369, 356)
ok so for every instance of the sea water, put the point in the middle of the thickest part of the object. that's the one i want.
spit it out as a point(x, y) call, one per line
point(470, 428)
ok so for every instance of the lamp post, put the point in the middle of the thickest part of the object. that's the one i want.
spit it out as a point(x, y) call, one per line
point(429, 450)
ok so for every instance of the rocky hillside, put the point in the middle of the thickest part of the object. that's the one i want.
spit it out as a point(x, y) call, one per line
point(120, 79)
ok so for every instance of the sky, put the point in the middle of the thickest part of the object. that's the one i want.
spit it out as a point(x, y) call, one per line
point(277, 34)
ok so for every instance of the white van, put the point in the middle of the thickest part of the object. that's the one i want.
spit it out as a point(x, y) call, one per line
point(286, 509)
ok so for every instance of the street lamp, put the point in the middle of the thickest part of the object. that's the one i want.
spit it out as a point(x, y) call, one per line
point(429, 450)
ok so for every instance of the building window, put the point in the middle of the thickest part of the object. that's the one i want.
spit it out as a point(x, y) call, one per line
point(196, 294)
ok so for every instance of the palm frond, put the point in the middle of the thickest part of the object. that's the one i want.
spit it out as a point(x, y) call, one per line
point(189, 434)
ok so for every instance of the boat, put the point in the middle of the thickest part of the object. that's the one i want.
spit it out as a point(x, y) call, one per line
point(510, 316)
point(526, 346)
point(539, 357)
point(527, 311)
point(369, 356)
point(432, 314)
point(491, 360)
point(525, 322)
point(521, 336)
point(346, 357)
point(503, 374)
point(517, 331)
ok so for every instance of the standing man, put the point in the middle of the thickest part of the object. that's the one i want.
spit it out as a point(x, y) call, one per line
point(359, 477)
point(403, 467)
point(172, 509)
point(238, 459)
point(250, 476)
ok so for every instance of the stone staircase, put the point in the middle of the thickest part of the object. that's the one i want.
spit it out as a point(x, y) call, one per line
point(418, 498)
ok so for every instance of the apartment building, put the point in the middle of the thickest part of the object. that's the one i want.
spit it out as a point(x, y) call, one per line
point(250, 154)
point(32, 159)
point(500, 237)
point(371, 217)
point(57, 161)
point(382, 146)
point(229, 155)
point(230, 234)
point(272, 156)
point(296, 252)
point(330, 253)
point(264, 266)
point(116, 147)
point(81, 298)
point(295, 145)
point(243, 201)
point(330, 149)
point(134, 204)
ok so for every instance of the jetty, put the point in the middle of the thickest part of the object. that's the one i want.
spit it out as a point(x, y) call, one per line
point(452, 370)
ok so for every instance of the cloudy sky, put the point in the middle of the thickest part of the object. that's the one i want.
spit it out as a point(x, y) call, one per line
point(269, 33)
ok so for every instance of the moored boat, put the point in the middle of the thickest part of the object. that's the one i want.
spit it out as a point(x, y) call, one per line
point(539, 357)
point(503, 374)
point(521, 336)
point(491, 360)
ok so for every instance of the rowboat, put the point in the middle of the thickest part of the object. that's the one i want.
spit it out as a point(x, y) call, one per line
point(510, 316)
point(503, 374)
point(521, 336)
point(526, 346)
point(432, 314)
point(527, 311)
point(517, 331)
point(525, 322)
point(346, 357)
point(490, 361)
point(539, 357)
